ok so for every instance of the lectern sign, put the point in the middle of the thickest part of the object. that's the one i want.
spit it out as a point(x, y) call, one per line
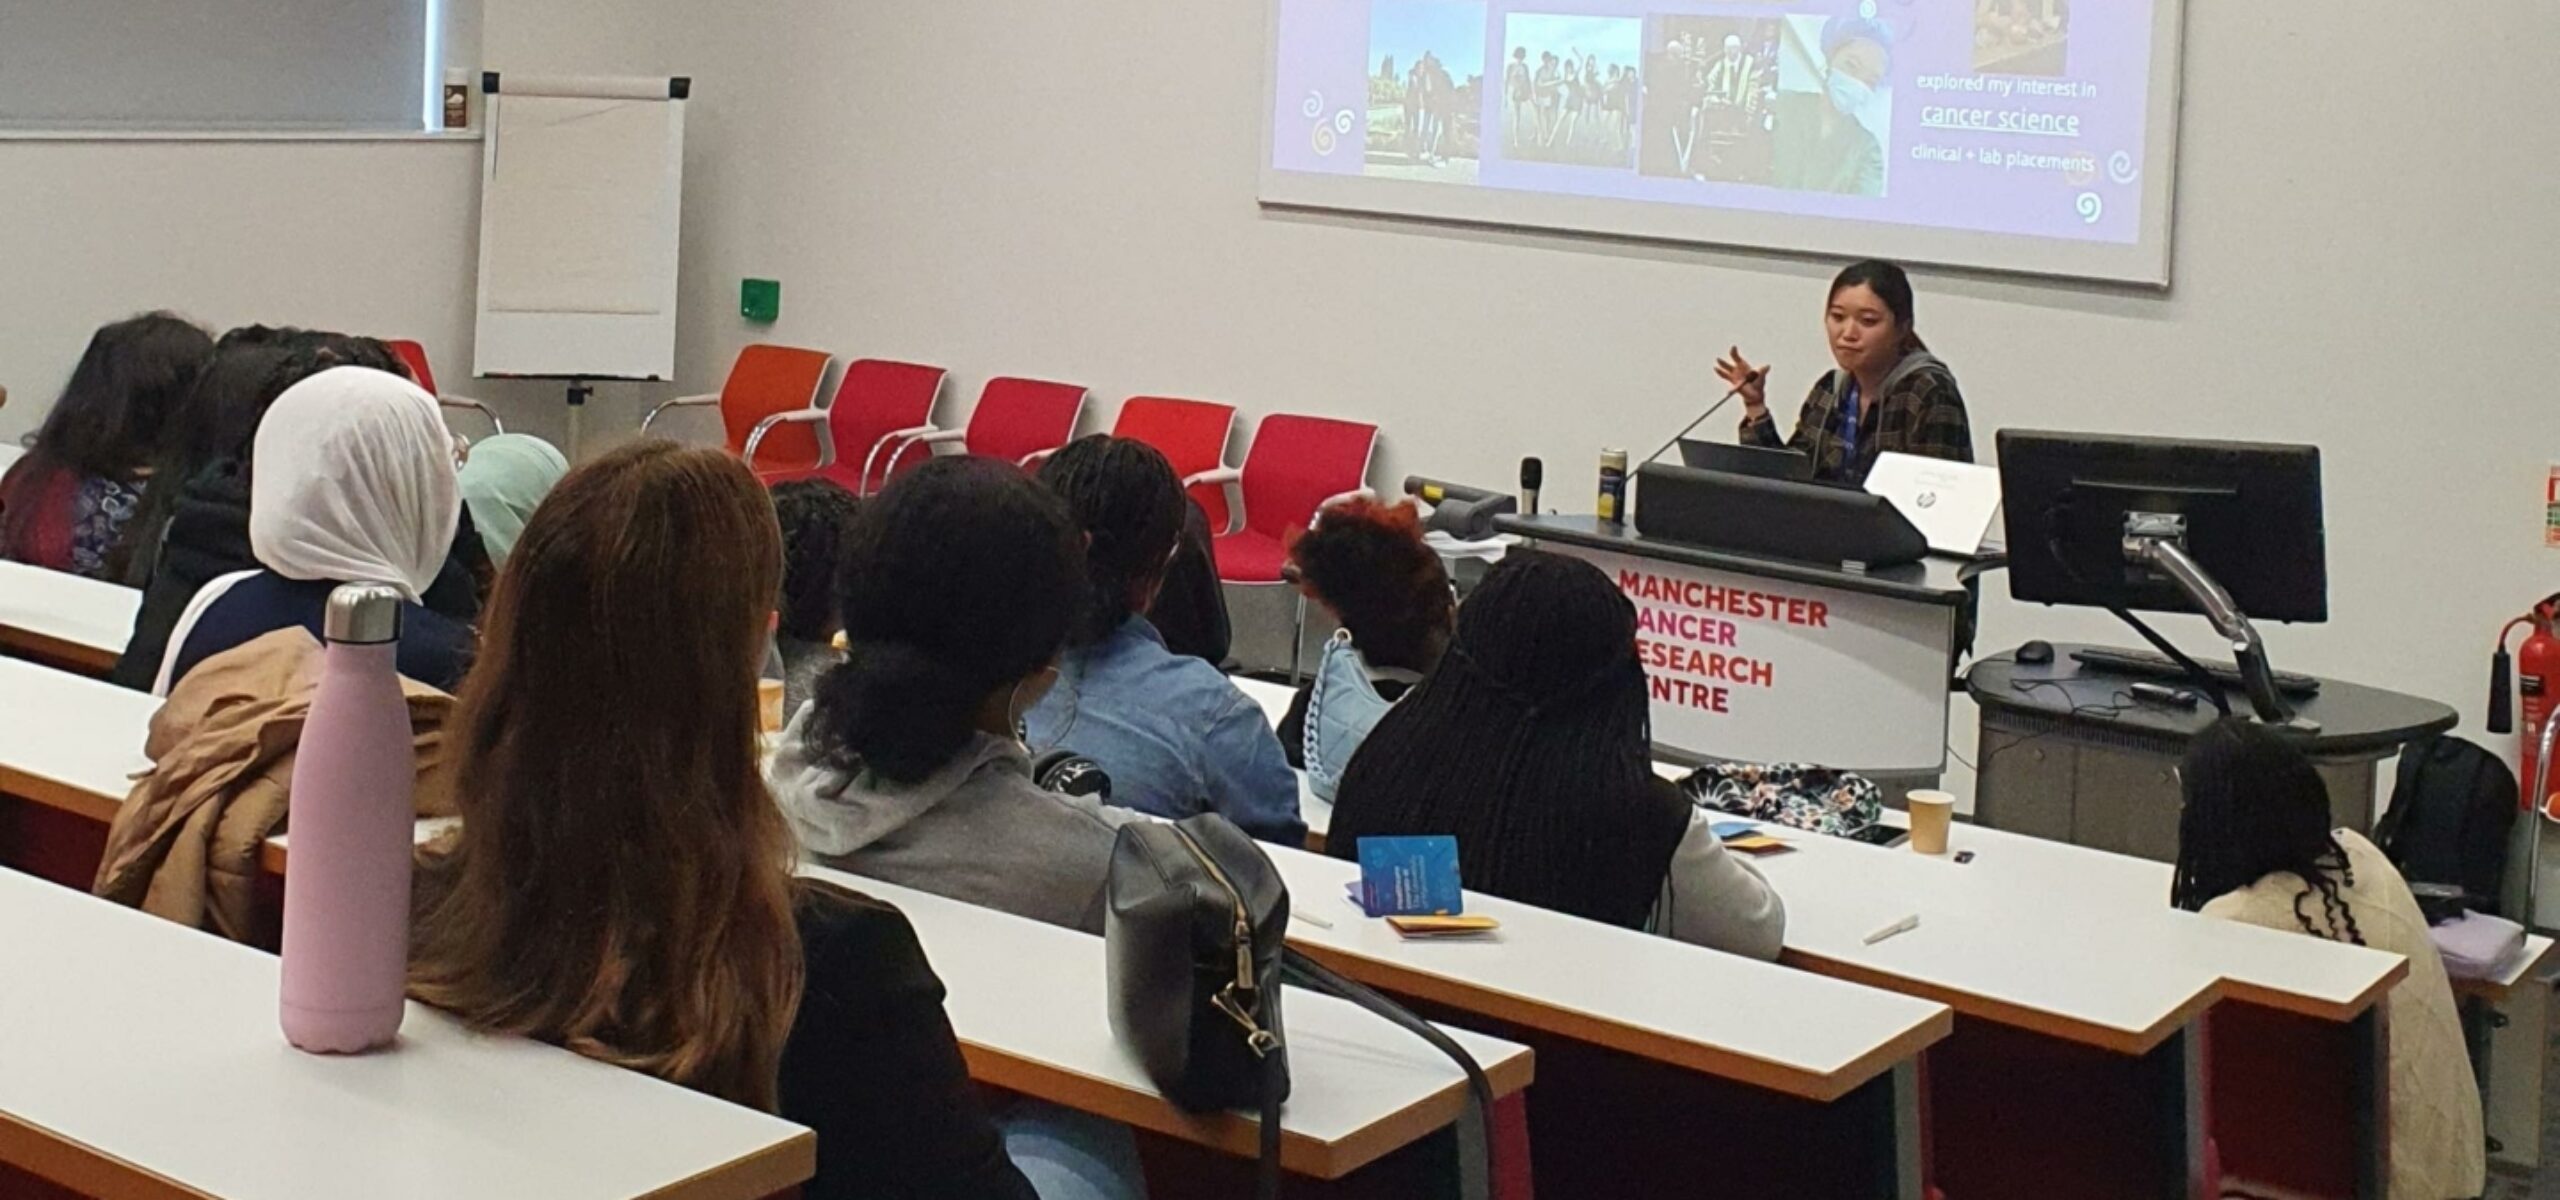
point(1759, 670)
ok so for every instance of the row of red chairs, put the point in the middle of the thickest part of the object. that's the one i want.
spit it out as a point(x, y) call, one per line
point(880, 424)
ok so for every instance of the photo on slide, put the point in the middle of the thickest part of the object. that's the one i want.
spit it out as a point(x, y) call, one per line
point(1709, 87)
point(2021, 37)
point(1570, 89)
point(1833, 116)
point(1426, 89)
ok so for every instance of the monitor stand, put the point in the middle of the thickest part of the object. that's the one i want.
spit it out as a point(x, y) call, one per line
point(2159, 541)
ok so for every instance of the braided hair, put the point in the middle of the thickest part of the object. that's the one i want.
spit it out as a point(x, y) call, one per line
point(1366, 563)
point(1130, 503)
point(2256, 807)
point(1531, 742)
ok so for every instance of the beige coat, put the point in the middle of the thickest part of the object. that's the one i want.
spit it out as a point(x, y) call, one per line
point(186, 844)
point(2438, 1151)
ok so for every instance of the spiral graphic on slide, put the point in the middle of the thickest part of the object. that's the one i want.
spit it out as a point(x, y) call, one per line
point(1313, 106)
point(1323, 140)
point(2092, 207)
point(1343, 122)
point(2120, 167)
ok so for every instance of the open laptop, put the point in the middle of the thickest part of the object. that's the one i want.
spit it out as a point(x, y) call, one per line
point(1756, 461)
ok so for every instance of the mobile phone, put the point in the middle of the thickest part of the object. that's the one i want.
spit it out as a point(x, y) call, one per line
point(2163, 694)
point(1879, 834)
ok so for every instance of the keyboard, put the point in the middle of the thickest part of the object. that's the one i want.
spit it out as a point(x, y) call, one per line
point(2147, 665)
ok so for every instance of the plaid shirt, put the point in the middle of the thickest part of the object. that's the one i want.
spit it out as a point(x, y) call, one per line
point(1920, 413)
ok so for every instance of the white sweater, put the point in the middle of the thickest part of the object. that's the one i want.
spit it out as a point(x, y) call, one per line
point(2438, 1151)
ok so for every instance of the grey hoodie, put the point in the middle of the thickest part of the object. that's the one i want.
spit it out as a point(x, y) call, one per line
point(978, 830)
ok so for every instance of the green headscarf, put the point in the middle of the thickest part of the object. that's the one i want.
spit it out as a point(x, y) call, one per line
point(506, 477)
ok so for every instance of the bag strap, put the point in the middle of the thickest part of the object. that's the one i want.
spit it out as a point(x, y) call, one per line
point(1474, 1134)
point(1266, 1176)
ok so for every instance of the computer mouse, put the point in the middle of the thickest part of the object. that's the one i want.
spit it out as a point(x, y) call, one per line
point(2036, 653)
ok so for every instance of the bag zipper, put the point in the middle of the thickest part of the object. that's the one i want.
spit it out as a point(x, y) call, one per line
point(1260, 1040)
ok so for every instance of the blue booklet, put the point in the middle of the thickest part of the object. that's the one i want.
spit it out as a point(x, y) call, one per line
point(1410, 877)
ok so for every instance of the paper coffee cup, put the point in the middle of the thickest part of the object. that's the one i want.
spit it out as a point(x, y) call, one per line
point(1931, 813)
point(769, 705)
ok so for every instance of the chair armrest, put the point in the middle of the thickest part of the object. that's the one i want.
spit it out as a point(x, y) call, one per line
point(474, 405)
point(755, 436)
point(1336, 499)
point(940, 436)
point(904, 438)
point(678, 402)
point(1219, 475)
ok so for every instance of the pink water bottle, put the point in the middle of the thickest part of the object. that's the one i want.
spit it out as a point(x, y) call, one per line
point(346, 884)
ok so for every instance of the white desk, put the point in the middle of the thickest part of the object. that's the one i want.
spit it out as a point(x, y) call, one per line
point(143, 1060)
point(10, 452)
point(1028, 1002)
point(70, 621)
point(1274, 699)
point(69, 742)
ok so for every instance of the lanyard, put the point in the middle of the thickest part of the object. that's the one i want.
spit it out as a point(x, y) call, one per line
point(1849, 423)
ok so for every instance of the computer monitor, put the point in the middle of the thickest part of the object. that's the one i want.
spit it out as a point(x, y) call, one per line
point(1761, 462)
point(2248, 513)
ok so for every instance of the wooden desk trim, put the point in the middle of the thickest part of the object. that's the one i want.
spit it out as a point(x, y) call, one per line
point(771, 1171)
point(1821, 1087)
point(1234, 1133)
point(2305, 1006)
point(77, 658)
point(84, 1168)
point(55, 794)
point(2135, 1042)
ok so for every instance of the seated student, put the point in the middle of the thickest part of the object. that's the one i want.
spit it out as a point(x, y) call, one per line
point(355, 483)
point(503, 479)
point(1175, 735)
point(2255, 845)
point(205, 534)
point(65, 505)
point(1531, 743)
point(622, 886)
point(1366, 564)
point(957, 585)
point(197, 434)
point(816, 515)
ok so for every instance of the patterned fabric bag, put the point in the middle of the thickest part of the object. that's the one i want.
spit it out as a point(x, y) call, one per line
point(1796, 795)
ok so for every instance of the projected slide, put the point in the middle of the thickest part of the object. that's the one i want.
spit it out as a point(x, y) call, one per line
point(2021, 135)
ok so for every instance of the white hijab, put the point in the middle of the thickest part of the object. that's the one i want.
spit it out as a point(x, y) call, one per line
point(352, 478)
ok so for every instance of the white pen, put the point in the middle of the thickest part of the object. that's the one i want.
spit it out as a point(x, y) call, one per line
point(1897, 929)
point(1309, 918)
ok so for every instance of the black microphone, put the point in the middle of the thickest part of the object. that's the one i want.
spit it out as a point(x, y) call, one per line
point(1717, 407)
point(1533, 474)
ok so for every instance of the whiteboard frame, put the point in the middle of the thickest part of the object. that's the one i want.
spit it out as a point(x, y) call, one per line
point(570, 345)
point(2144, 263)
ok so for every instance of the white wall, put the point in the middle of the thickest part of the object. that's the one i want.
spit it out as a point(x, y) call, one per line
point(2363, 261)
point(374, 236)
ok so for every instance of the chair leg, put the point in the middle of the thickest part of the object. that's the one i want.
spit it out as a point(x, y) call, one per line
point(1298, 641)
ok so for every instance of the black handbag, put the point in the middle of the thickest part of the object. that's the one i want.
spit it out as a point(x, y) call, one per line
point(1195, 931)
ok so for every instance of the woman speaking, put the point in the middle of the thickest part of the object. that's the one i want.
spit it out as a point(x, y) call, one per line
point(1889, 393)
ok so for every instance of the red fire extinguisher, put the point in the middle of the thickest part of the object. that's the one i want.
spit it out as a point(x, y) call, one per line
point(2532, 668)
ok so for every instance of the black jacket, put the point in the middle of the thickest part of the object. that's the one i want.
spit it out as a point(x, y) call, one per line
point(872, 1066)
point(207, 537)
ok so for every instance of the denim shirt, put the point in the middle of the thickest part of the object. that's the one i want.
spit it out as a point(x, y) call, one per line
point(1174, 735)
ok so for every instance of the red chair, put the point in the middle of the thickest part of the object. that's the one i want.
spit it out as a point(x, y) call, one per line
point(1192, 435)
point(414, 356)
point(765, 380)
point(880, 405)
point(1018, 420)
point(1295, 466)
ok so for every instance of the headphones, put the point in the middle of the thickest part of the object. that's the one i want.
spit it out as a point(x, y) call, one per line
point(1071, 774)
